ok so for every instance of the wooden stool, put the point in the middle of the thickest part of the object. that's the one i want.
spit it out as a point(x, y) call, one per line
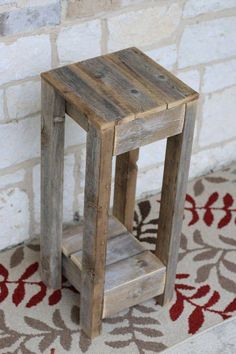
point(123, 100)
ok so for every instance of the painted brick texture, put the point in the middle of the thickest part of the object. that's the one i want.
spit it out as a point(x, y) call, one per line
point(193, 39)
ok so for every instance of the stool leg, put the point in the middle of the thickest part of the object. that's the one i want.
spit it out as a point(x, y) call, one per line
point(96, 207)
point(52, 161)
point(177, 161)
point(125, 187)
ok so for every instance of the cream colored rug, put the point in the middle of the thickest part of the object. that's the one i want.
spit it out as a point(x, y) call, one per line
point(34, 319)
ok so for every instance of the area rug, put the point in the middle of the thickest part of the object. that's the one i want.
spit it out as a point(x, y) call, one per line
point(34, 319)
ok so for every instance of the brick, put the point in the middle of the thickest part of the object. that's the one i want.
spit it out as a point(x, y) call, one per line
point(80, 200)
point(194, 8)
point(29, 19)
point(69, 188)
point(143, 27)
point(79, 42)
point(23, 99)
point(2, 115)
point(14, 217)
point(19, 141)
point(74, 134)
point(165, 56)
point(212, 159)
point(33, 3)
point(131, 2)
point(82, 167)
point(68, 194)
point(191, 78)
point(83, 8)
point(207, 41)
point(218, 121)
point(12, 178)
point(152, 154)
point(149, 181)
point(31, 54)
point(219, 76)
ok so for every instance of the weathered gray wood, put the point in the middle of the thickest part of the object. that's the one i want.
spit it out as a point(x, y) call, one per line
point(71, 272)
point(123, 87)
point(127, 282)
point(77, 115)
point(97, 198)
point(116, 88)
point(118, 248)
point(160, 81)
point(146, 130)
point(72, 239)
point(178, 153)
point(132, 281)
point(125, 187)
point(52, 161)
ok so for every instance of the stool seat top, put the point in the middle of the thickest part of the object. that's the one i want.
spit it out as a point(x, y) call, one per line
point(119, 87)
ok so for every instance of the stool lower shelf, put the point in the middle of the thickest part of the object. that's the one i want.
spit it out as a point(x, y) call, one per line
point(133, 274)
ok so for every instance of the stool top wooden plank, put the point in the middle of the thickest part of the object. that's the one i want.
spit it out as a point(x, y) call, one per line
point(119, 87)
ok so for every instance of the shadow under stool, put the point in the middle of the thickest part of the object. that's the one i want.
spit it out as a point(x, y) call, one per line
point(123, 101)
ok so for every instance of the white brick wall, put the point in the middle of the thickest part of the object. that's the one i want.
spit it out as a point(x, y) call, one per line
point(79, 42)
point(25, 57)
point(19, 141)
point(219, 115)
point(23, 99)
point(143, 27)
point(208, 41)
point(193, 8)
point(194, 39)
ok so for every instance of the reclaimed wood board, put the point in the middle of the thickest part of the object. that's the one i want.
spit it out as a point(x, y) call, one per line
point(143, 131)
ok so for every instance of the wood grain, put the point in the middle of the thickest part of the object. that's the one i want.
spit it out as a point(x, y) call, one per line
point(118, 248)
point(116, 88)
point(52, 161)
point(73, 238)
point(125, 187)
point(132, 281)
point(123, 88)
point(128, 282)
point(177, 161)
point(96, 207)
point(143, 131)
point(161, 82)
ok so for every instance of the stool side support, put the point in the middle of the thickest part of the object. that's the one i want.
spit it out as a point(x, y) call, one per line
point(177, 162)
point(52, 165)
point(125, 187)
point(96, 207)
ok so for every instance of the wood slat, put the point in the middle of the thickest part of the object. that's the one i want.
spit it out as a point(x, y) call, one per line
point(127, 282)
point(123, 87)
point(73, 237)
point(118, 248)
point(157, 79)
point(132, 281)
point(117, 88)
point(144, 131)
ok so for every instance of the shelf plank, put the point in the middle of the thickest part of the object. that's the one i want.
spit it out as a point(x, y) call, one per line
point(118, 248)
point(73, 236)
point(132, 281)
point(128, 282)
point(133, 274)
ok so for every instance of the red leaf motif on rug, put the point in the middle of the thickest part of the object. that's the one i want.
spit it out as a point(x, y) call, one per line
point(196, 318)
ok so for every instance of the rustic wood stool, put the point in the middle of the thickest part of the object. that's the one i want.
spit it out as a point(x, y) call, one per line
point(123, 100)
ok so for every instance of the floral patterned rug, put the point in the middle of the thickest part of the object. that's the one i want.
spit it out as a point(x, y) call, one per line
point(34, 319)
